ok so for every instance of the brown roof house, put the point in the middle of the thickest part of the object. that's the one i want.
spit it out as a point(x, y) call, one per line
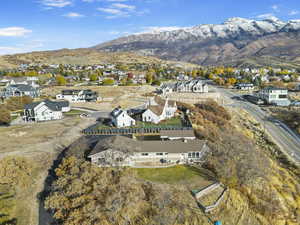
point(158, 110)
point(123, 151)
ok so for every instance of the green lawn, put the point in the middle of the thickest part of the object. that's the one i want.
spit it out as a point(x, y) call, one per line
point(171, 175)
point(176, 121)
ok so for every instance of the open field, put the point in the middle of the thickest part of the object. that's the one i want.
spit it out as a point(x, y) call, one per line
point(112, 96)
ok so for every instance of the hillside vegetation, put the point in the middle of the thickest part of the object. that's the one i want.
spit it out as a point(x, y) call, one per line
point(79, 57)
point(263, 188)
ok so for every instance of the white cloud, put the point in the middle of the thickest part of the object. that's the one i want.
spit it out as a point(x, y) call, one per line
point(265, 16)
point(23, 47)
point(123, 6)
point(4, 50)
point(73, 15)
point(14, 31)
point(56, 3)
point(275, 8)
point(293, 13)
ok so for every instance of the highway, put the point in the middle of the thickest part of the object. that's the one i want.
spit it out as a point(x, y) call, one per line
point(281, 134)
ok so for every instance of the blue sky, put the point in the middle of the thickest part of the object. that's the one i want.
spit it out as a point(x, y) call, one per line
point(33, 25)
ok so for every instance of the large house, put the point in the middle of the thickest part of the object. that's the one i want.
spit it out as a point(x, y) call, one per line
point(45, 111)
point(19, 90)
point(158, 110)
point(32, 81)
point(76, 96)
point(120, 118)
point(123, 151)
point(274, 95)
point(190, 86)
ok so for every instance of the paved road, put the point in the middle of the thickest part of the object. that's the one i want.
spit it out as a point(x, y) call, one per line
point(281, 134)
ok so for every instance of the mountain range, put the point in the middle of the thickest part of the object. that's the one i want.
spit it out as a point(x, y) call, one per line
point(236, 42)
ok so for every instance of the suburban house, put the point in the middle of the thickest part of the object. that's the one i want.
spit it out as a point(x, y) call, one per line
point(78, 96)
point(123, 151)
point(32, 81)
point(274, 95)
point(19, 90)
point(192, 86)
point(244, 86)
point(120, 118)
point(45, 111)
point(158, 110)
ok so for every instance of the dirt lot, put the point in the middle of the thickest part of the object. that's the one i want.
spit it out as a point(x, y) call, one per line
point(112, 96)
point(36, 146)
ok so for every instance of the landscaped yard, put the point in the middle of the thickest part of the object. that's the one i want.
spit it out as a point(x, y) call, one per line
point(174, 175)
point(176, 121)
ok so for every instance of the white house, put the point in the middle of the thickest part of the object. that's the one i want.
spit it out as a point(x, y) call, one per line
point(120, 118)
point(45, 111)
point(273, 95)
point(245, 86)
point(19, 90)
point(123, 151)
point(158, 110)
point(194, 86)
point(76, 96)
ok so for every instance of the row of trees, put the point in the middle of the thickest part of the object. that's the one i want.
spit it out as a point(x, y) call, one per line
point(10, 105)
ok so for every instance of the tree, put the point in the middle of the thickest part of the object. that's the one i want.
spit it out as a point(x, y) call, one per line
point(108, 81)
point(60, 80)
point(93, 77)
point(231, 81)
point(5, 117)
point(156, 83)
point(18, 103)
point(149, 77)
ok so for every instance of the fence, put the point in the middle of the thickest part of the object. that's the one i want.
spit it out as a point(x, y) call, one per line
point(124, 131)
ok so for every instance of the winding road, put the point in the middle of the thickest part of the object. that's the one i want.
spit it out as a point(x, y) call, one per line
point(282, 135)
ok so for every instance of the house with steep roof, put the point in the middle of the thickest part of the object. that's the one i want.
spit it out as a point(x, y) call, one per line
point(189, 86)
point(123, 151)
point(19, 90)
point(45, 111)
point(120, 118)
point(76, 96)
point(159, 109)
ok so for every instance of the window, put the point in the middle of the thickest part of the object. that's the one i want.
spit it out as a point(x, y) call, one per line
point(197, 155)
point(101, 160)
point(159, 153)
point(190, 155)
point(145, 154)
point(119, 159)
point(282, 96)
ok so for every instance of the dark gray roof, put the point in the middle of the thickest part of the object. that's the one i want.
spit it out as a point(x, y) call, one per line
point(270, 88)
point(23, 87)
point(125, 144)
point(31, 105)
point(55, 106)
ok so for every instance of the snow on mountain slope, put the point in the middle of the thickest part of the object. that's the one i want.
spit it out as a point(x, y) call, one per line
point(209, 43)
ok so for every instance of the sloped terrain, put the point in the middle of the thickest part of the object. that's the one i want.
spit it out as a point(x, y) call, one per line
point(238, 42)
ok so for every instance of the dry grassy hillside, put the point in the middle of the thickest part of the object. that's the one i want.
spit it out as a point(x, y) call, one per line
point(80, 57)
